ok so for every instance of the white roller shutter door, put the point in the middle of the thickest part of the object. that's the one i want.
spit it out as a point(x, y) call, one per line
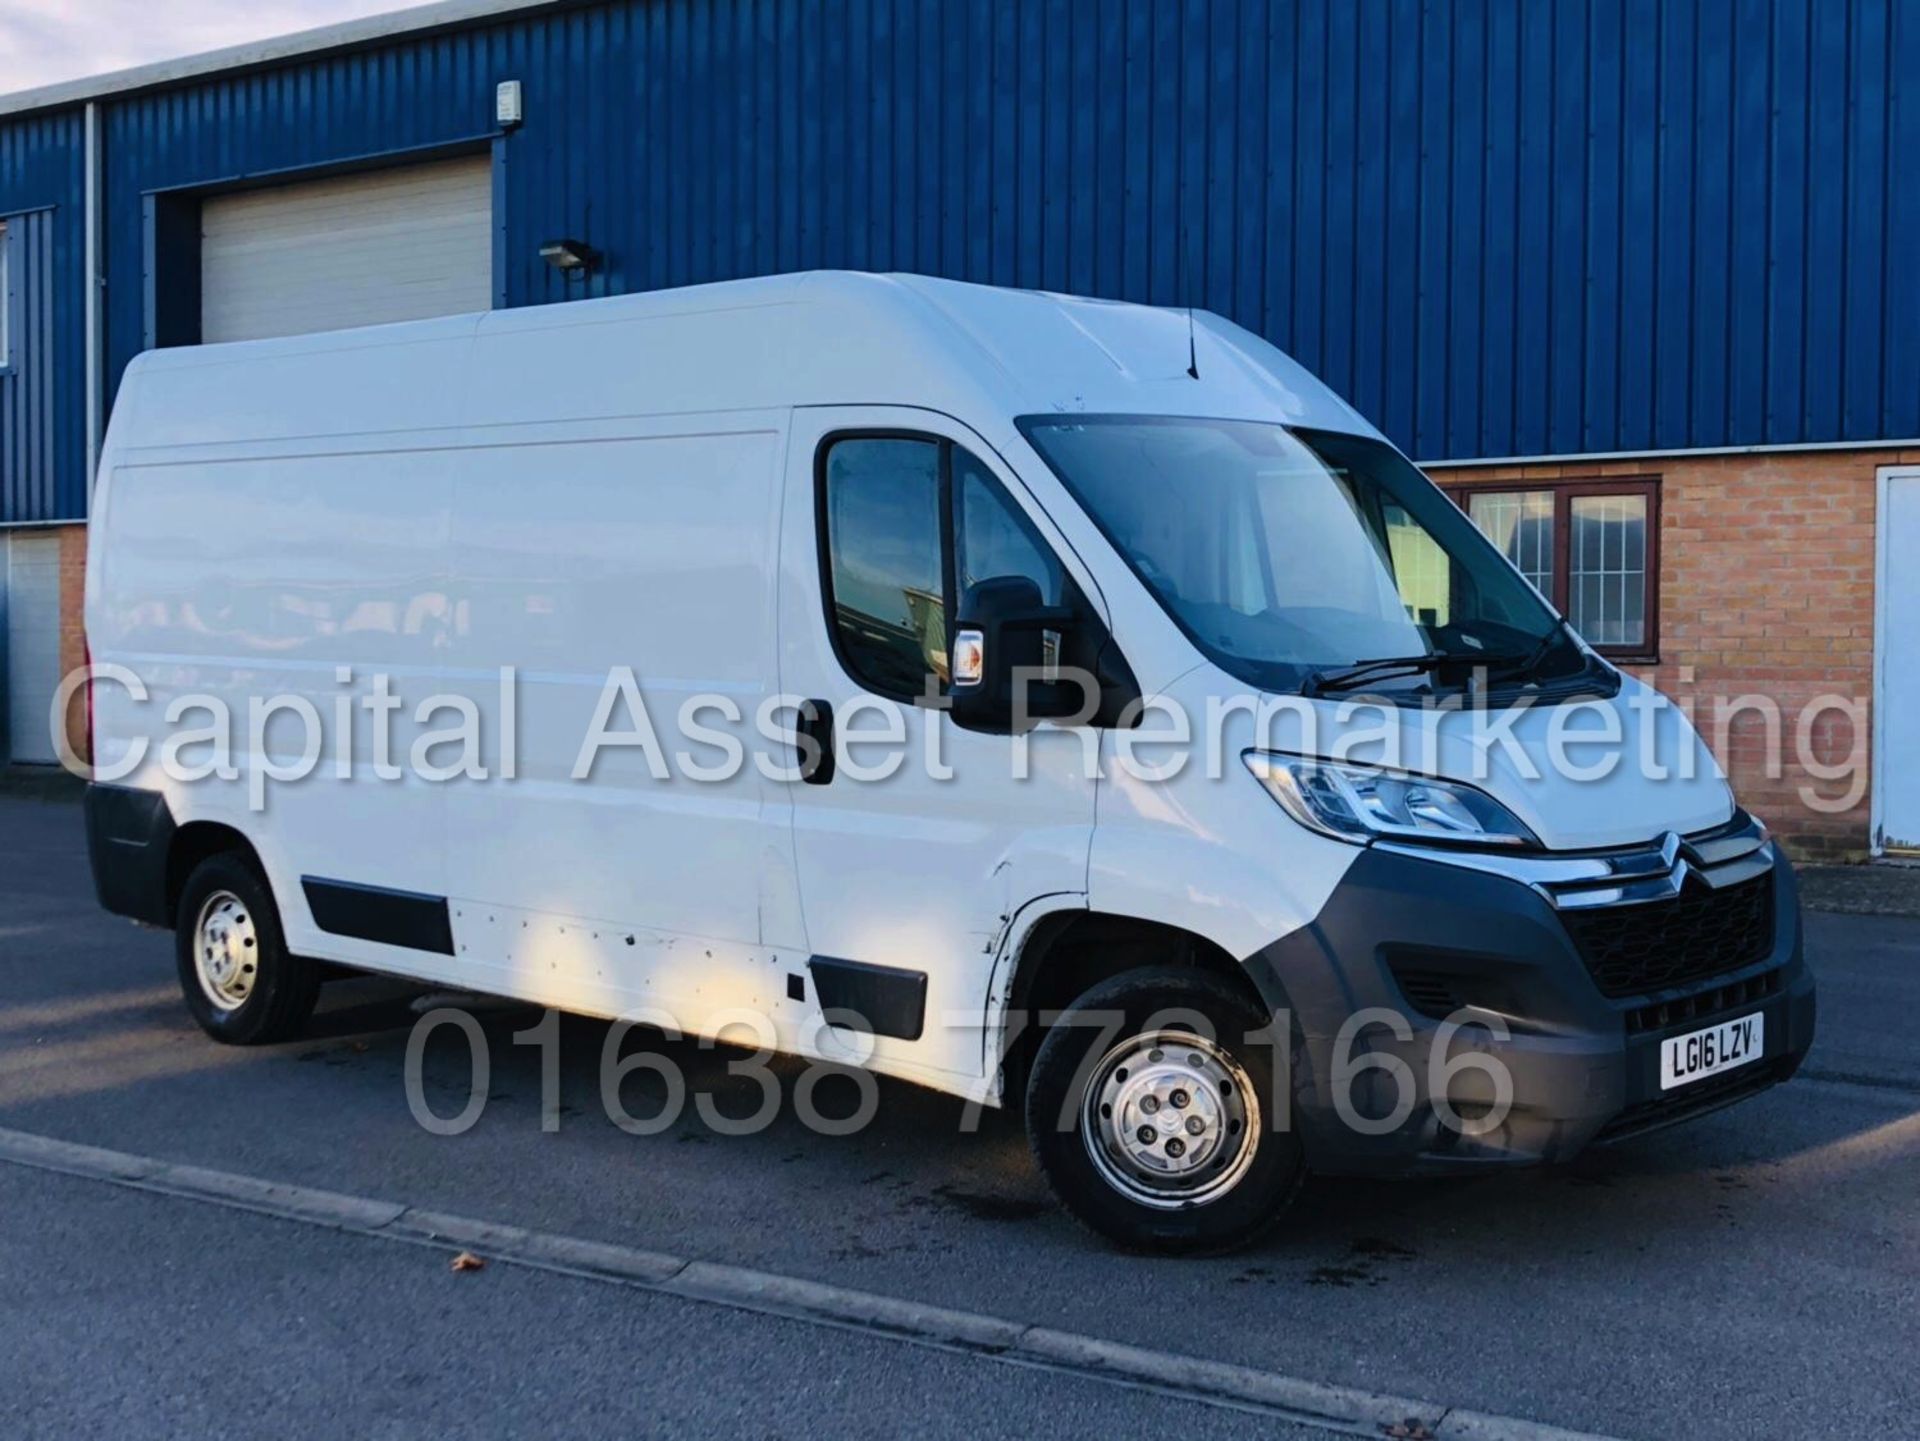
point(362, 249)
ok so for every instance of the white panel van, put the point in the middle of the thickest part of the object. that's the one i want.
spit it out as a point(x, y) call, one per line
point(1053, 702)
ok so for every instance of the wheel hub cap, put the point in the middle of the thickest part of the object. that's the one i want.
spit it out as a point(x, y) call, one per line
point(226, 950)
point(1171, 1119)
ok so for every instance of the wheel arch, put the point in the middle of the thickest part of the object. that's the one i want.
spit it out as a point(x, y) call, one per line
point(1066, 952)
point(198, 841)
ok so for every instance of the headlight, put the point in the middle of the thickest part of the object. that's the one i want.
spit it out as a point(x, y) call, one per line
point(1364, 803)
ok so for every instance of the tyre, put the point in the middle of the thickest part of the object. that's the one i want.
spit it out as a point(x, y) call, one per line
point(239, 981)
point(1166, 1133)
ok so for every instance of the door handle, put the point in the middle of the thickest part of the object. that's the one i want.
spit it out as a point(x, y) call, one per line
point(814, 731)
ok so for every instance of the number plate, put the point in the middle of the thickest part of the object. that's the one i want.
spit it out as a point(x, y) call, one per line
point(1699, 1054)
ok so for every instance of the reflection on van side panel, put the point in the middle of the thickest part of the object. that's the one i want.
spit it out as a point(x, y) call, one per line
point(564, 649)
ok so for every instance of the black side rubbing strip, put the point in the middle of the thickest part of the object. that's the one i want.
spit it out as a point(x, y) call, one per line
point(882, 1000)
point(374, 913)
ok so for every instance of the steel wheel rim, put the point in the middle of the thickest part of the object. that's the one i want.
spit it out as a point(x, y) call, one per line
point(1170, 1120)
point(226, 950)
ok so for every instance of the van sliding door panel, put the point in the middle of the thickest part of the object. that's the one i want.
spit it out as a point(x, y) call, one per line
point(610, 564)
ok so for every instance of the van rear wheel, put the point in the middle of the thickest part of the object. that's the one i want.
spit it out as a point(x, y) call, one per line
point(1152, 1109)
point(239, 980)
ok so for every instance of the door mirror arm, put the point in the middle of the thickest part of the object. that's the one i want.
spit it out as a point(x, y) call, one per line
point(1001, 649)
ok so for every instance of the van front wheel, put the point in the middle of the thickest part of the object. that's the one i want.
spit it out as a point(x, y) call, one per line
point(1153, 1110)
point(239, 980)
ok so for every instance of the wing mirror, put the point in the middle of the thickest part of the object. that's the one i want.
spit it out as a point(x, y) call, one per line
point(1008, 641)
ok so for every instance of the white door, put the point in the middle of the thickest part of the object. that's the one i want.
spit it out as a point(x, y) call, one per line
point(33, 644)
point(626, 579)
point(405, 243)
point(647, 552)
point(907, 882)
point(1896, 702)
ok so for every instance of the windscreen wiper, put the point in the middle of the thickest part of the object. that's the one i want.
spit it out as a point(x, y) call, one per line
point(1338, 678)
point(1528, 664)
point(1326, 682)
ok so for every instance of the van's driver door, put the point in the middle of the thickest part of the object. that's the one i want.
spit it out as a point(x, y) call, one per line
point(908, 881)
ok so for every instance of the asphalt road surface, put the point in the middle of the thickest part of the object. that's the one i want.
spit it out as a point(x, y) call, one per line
point(1756, 1273)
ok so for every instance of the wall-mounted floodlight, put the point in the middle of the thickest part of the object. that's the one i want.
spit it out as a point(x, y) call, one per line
point(572, 258)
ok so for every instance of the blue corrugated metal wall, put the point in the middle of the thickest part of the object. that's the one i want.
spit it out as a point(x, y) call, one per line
point(1501, 227)
point(43, 397)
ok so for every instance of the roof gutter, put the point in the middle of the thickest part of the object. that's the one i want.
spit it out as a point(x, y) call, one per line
point(1588, 457)
point(348, 35)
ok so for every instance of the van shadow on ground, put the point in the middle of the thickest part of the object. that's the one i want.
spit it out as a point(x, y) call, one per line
point(1365, 1226)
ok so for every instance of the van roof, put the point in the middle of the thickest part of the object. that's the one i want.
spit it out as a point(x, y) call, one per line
point(810, 338)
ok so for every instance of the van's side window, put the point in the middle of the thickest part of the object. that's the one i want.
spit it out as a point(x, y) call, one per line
point(994, 539)
point(882, 504)
point(910, 524)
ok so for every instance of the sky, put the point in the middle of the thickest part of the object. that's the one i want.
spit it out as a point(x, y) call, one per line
point(44, 41)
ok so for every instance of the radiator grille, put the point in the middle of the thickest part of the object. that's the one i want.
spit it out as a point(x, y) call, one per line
point(1699, 1007)
point(1702, 932)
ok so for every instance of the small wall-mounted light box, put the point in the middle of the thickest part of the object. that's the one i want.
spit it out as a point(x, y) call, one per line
point(506, 103)
point(572, 258)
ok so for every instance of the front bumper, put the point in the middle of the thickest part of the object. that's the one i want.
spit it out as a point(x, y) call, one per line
point(1584, 1067)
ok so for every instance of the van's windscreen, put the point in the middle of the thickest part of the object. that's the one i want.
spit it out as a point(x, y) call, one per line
point(1293, 556)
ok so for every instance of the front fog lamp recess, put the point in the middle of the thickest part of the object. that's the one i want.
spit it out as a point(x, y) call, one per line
point(574, 259)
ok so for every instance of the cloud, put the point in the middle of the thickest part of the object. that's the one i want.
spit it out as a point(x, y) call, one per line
point(45, 41)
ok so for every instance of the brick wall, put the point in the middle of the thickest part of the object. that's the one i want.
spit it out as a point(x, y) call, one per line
point(73, 635)
point(1766, 591)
